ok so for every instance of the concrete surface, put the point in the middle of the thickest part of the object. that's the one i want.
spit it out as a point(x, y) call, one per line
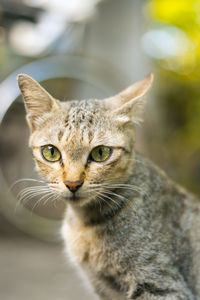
point(35, 270)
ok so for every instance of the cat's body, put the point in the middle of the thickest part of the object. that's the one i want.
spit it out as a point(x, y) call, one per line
point(148, 249)
point(133, 231)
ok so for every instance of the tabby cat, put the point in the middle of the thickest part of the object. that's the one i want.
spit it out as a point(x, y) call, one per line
point(133, 231)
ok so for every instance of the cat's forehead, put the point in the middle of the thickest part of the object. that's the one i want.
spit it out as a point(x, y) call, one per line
point(77, 123)
point(81, 112)
point(84, 121)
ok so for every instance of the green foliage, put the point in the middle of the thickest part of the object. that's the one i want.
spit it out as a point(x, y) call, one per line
point(185, 15)
point(180, 92)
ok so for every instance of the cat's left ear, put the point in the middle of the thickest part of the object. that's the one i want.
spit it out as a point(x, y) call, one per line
point(129, 104)
point(37, 100)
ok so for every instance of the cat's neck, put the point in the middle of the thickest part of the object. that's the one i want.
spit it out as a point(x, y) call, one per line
point(96, 213)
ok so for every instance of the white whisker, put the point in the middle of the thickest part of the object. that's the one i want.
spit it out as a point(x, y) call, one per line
point(41, 199)
point(101, 198)
point(25, 198)
point(24, 180)
point(102, 195)
point(116, 195)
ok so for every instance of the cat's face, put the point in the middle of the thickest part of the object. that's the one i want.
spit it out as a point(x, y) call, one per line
point(82, 148)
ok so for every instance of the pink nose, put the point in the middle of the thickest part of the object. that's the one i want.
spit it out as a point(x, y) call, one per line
point(73, 186)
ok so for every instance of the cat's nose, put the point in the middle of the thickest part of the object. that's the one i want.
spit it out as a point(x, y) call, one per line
point(73, 186)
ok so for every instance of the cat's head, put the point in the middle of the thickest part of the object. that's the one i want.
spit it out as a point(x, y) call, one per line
point(83, 148)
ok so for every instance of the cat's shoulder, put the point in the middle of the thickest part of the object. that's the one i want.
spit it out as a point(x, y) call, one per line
point(158, 178)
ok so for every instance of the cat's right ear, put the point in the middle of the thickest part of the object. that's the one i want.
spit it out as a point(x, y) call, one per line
point(36, 99)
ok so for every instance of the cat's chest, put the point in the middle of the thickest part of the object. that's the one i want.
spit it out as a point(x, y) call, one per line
point(83, 244)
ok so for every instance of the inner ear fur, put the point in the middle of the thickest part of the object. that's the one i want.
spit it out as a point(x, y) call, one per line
point(37, 100)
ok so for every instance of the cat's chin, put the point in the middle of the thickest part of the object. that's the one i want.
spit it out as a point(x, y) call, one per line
point(75, 199)
point(72, 198)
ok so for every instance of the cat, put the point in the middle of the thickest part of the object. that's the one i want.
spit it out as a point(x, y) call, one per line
point(128, 227)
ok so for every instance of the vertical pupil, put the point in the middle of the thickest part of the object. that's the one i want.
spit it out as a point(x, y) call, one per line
point(100, 152)
point(52, 151)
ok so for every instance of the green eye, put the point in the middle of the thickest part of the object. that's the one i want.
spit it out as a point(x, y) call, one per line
point(51, 153)
point(100, 153)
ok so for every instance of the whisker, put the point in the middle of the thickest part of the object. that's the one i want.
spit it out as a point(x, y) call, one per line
point(103, 195)
point(46, 200)
point(54, 201)
point(32, 194)
point(40, 200)
point(116, 195)
point(29, 189)
point(25, 198)
point(101, 198)
point(24, 180)
point(129, 187)
point(108, 197)
point(29, 193)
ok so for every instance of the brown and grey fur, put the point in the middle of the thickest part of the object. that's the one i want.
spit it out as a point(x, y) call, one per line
point(133, 231)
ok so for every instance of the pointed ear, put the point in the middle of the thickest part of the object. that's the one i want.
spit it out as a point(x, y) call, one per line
point(37, 100)
point(129, 104)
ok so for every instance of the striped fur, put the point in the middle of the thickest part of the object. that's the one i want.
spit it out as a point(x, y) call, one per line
point(134, 232)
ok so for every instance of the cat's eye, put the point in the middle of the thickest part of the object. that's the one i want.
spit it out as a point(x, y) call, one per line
point(51, 153)
point(100, 153)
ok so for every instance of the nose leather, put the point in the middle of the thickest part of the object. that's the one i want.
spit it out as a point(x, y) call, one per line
point(73, 186)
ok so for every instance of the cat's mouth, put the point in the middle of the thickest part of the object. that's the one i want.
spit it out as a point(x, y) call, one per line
point(74, 197)
point(77, 197)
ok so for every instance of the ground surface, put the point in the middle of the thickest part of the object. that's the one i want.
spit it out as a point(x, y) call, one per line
point(35, 270)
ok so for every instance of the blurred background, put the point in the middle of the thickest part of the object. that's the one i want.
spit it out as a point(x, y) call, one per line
point(79, 49)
